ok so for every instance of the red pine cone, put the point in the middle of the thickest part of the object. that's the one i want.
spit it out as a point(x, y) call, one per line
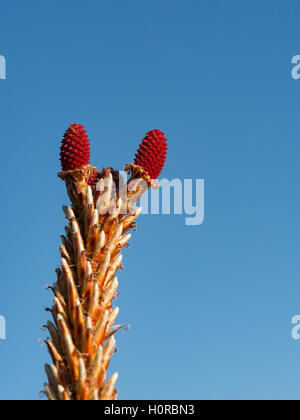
point(75, 148)
point(151, 155)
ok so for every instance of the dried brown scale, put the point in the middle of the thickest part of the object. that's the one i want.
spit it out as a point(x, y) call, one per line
point(76, 183)
point(82, 333)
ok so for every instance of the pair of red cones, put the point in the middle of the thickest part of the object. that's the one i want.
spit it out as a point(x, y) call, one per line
point(75, 151)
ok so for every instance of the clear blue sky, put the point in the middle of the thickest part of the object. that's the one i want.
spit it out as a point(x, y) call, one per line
point(209, 306)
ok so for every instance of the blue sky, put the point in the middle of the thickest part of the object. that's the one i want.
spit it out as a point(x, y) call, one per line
point(210, 306)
